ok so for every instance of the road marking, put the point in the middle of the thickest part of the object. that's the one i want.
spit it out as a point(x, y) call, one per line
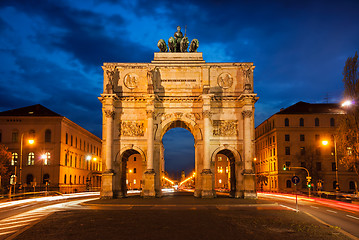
point(314, 207)
point(352, 217)
point(331, 211)
point(293, 209)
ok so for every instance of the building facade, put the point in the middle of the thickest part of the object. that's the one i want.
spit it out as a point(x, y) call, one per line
point(293, 137)
point(214, 101)
point(222, 172)
point(61, 155)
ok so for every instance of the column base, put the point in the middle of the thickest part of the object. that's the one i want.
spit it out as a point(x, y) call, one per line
point(107, 188)
point(239, 194)
point(148, 190)
point(197, 193)
point(249, 185)
point(207, 184)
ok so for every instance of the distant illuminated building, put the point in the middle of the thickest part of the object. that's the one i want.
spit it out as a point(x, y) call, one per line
point(61, 156)
point(222, 175)
point(134, 172)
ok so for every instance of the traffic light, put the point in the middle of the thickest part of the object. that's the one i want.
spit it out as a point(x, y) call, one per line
point(284, 167)
point(309, 184)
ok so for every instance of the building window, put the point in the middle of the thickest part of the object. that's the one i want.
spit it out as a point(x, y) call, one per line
point(333, 166)
point(273, 151)
point(66, 159)
point(71, 140)
point(134, 159)
point(287, 137)
point(31, 159)
point(46, 179)
point(219, 159)
point(316, 122)
point(334, 184)
point(273, 139)
point(29, 179)
point(332, 122)
point(287, 150)
point(48, 135)
point(220, 180)
point(319, 166)
point(15, 137)
point(134, 181)
point(302, 151)
point(75, 179)
point(76, 142)
point(67, 139)
point(288, 183)
point(302, 137)
point(65, 179)
point(351, 185)
point(0, 137)
point(301, 122)
point(317, 137)
point(14, 159)
point(286, 122)
point(134, 170)
point(46, 158)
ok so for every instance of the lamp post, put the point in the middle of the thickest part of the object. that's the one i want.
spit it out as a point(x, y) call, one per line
point(325, 142)
point(30, 141)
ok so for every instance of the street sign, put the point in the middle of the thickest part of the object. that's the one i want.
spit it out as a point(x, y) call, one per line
point(295, 179)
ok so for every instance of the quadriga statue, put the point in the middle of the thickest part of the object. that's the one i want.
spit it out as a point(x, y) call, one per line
point(178, 43)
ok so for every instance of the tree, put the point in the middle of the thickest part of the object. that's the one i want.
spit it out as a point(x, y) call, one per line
point(348, 130)
point(5, 171)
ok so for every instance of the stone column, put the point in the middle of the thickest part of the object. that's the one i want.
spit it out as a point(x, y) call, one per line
point(248, 173)
point(149, 176)
point(107, 189)
point(207, 175)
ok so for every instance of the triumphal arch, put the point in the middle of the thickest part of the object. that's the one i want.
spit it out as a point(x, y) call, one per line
point(214, 101)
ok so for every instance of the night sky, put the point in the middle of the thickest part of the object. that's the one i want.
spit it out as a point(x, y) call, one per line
point(51, 52)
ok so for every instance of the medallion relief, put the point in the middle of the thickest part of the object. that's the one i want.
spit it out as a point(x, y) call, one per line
point(130, 80)
point(132, 128)
point(225, 128)
point(225, 80)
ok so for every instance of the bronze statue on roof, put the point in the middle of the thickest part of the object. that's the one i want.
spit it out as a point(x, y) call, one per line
point(178, 43)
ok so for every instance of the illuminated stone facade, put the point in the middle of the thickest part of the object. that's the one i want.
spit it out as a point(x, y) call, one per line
point(142, 101)
point(64, 157)
point(294, 137)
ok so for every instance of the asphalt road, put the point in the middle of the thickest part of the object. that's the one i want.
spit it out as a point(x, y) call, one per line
point(342, 215)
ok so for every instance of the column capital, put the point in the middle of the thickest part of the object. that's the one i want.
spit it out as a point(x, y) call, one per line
point(109, 114)
point(150, 113)
point(207, 114)
point(247, 113)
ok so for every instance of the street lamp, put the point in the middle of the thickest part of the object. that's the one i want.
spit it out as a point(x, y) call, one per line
point(325, 143)
point(30, 141)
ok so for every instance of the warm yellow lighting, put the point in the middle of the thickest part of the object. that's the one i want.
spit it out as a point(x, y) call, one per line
point(31, 141)
point(325, 142)
point(95, 159)
point(88, 158)
point(43, 156)
point(130, 171)
point(347, 103)
point(255, 159)
point(186, 180)
point(168, 180)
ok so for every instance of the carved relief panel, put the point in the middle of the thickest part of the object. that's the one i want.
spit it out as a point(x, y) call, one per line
point(225, 128)
point(131, 128)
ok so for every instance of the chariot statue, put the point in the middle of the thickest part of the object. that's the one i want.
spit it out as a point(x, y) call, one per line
point(178, 43)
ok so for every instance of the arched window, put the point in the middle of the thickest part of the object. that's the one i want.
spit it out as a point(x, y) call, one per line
point(286, 122)
point(66, 158)
point(31, 159)
point(316, 122)
point(29, 179)
point(70, 179)
point(67, 138)
point(301, 122)
point(75, 179)
point(289, 184)
point(46, 158)
point(15, 136)
point(48, 135)
point(332, 122)
point(14, 158)
point(46, 178)
point(65, 179)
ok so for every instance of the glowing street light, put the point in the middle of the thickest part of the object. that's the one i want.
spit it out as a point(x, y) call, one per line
point(31, 142)
point(325, 142)
point(347, 103)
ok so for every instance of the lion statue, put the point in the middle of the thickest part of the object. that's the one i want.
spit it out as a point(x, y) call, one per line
point(184, 44)
point(194, 45)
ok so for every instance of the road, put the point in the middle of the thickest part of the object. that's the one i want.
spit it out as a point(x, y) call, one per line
point(335, 213)
point(16, 216)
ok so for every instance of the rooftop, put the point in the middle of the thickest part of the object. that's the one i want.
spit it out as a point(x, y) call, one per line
point(31, 111)
point(310, 108)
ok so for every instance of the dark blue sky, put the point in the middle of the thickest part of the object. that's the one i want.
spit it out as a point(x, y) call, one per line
point(51, 52)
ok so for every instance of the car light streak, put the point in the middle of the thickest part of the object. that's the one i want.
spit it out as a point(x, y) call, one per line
point(352, 217)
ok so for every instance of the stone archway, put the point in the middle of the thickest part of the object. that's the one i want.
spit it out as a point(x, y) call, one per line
point(214, 101)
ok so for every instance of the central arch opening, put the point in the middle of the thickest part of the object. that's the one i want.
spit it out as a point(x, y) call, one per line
point(179, 155)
